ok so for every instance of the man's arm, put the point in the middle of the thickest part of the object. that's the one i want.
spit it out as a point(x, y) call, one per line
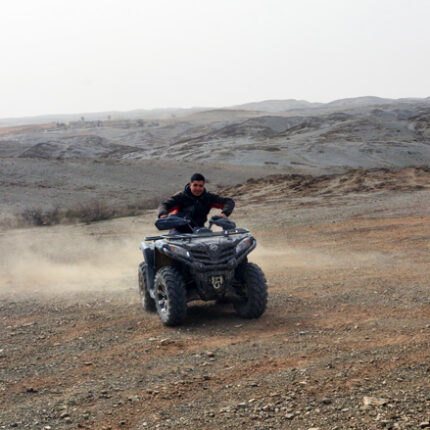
point(225, 203)
point(170, 205)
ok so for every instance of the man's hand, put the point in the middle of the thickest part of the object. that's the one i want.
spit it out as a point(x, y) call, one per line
point(223, 215)
point(163, 216)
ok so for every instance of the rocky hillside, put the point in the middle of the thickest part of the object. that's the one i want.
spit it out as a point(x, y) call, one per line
point(366, 132)
point(279, 187)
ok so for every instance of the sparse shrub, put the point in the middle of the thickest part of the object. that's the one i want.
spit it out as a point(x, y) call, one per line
point(89, 212)
point(40, 217)
point(32, 216)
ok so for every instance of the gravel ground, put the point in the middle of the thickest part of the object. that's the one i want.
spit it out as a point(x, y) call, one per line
point(344, 343)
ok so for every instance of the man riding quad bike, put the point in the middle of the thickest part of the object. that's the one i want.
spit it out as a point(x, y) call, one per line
point(193, 262)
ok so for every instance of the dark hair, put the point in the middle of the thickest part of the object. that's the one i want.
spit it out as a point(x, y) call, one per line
point(197, 177)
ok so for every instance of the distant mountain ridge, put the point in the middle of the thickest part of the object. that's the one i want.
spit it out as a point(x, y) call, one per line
point(277, 105)
point(372, 100)
point(269, 106)
point(347, 103)
point(365, 132)
point(102, 116)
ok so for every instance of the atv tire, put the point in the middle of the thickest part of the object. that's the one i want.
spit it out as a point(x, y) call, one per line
point(148, 303)
point(170, 296)
point(254, 291)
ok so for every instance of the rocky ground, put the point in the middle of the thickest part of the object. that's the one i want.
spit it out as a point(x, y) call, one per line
point(344, 343)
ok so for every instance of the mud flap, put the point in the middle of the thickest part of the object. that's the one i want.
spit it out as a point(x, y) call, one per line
point(150, 270)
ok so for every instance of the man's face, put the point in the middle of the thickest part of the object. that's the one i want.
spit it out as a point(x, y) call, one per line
point(197, 188)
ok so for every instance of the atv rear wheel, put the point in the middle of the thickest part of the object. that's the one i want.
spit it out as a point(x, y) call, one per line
point(170, 296)
point(148, 303)
point(254, 292)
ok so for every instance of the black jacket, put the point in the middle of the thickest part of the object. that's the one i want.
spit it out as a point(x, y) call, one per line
point(185, 203)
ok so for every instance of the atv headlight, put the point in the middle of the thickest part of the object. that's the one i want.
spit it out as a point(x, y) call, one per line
point(243, 244)
point(178, 251)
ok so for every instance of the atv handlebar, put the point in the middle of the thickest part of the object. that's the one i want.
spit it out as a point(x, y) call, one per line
point(222, 222)
point(174, 221)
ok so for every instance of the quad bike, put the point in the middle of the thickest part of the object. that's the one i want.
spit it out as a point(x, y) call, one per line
point(202, 265)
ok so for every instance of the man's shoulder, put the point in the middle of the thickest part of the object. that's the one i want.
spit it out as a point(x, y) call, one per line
point(179, 194)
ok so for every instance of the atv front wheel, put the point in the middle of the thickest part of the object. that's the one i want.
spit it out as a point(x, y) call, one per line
point(254, 292)
point(170, 296)
point(148, 303)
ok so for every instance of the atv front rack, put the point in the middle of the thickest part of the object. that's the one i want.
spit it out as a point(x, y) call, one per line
point(189, 236)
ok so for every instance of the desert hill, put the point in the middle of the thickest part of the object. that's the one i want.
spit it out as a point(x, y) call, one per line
point(265, 106)
point(127, 160)
point(364, 132)
point(86, 147)
point(278, 105)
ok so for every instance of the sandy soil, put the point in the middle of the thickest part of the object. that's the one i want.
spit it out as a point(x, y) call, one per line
point(344, 343)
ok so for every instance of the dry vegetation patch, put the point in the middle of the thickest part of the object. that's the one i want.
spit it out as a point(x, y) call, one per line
point(354, 181)
point(87, 213)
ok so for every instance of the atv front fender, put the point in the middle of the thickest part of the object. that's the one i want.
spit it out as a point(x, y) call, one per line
point(149, 256)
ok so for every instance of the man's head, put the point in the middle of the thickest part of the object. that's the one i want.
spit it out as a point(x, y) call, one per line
point(197, 184)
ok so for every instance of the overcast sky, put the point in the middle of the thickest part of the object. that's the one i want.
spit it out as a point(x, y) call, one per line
point(62, 56)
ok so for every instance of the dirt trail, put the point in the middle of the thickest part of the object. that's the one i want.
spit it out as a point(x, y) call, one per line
point(344, 343)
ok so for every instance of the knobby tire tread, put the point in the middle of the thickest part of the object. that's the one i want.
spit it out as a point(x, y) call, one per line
point(256, 283)
point(177, 309)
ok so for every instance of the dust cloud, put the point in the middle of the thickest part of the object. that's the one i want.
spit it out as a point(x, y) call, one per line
point(64, 259)
point(278, 260)
point(67, 259)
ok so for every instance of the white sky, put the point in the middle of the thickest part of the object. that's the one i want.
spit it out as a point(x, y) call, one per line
point(62, 56)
